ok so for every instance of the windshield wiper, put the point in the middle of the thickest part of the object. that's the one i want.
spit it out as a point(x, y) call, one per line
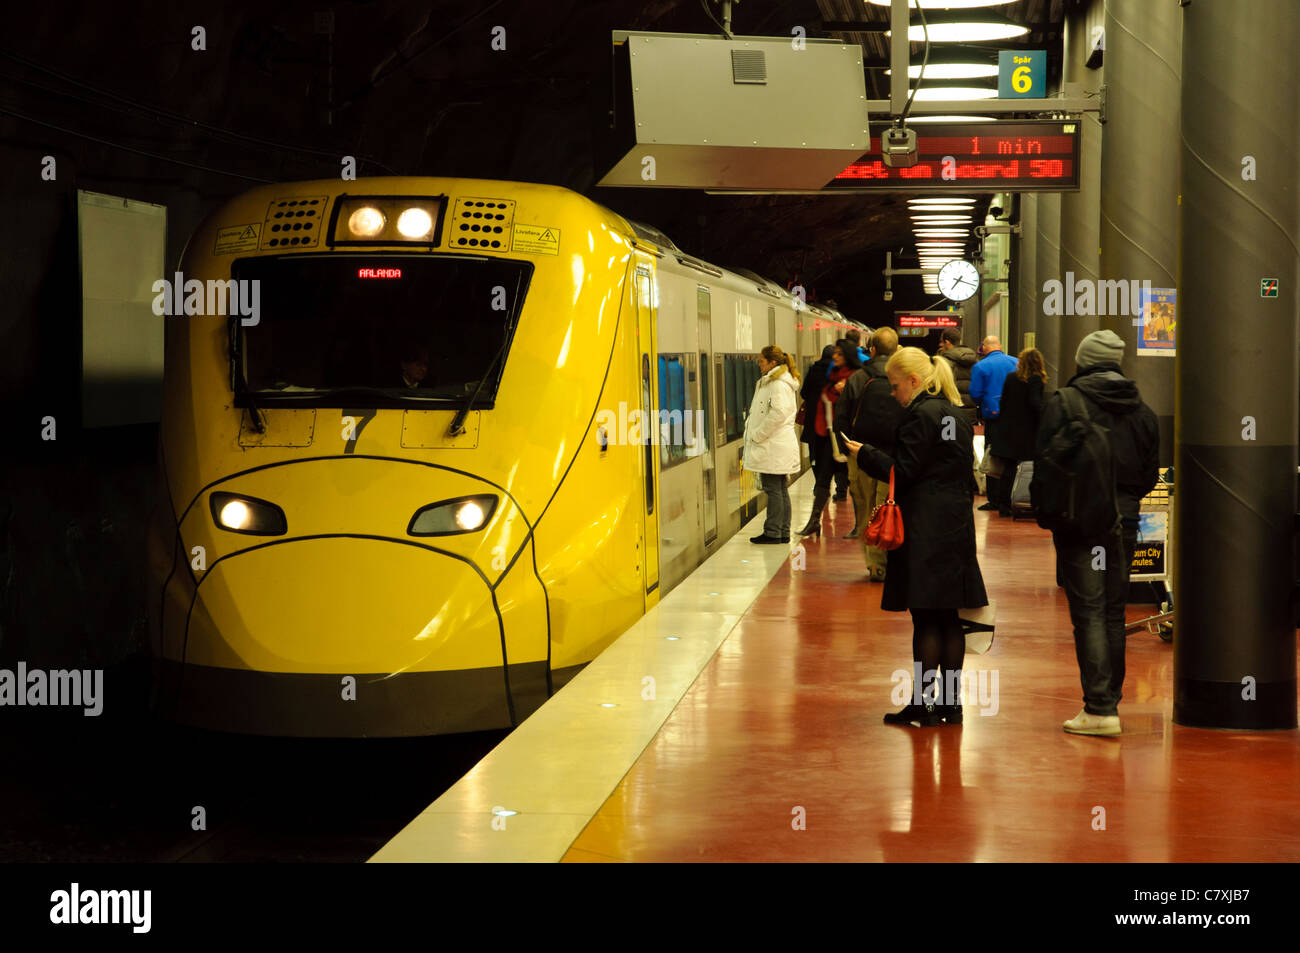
point(458, 422)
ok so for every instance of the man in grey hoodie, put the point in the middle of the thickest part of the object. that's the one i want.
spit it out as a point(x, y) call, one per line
point(1095, 572)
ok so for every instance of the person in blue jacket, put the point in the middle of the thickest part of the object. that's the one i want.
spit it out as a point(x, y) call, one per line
point(986, 380)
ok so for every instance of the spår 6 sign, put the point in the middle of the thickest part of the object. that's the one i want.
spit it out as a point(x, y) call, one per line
point(1022, 74)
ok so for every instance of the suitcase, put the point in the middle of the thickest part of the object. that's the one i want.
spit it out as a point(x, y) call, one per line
point(1021, 508)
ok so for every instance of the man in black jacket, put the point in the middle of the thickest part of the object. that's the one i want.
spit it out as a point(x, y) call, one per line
point(1095, 572)
point(962, 360)
point(868, 413)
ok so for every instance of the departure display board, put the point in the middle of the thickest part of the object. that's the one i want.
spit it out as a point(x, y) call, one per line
point(1035, 156)
point(927, 319)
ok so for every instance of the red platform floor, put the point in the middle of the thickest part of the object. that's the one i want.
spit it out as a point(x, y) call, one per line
point(786, 719)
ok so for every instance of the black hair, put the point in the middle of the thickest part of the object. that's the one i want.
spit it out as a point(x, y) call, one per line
point(850, 352)
point(951, 335)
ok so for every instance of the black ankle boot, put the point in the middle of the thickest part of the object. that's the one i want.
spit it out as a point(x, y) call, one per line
point(814, 526)
point(927, 716)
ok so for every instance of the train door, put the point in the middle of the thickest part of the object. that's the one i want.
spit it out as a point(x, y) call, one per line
point(704, 401)
point(648, 379)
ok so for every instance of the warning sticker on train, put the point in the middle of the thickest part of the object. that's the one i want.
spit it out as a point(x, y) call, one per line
point(537, 239)
point(237, 238)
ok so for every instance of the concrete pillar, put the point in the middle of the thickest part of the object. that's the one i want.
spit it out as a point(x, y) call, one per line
point(1139, 199)
point(1080, 211)
point(1026, 271)
point(1236, 416)
point(1047, 265)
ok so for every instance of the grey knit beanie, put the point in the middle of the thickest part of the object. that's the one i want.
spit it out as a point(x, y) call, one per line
point(1099, 347)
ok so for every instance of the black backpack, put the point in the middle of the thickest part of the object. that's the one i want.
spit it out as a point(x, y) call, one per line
point(1073, 487)
point(877, 415)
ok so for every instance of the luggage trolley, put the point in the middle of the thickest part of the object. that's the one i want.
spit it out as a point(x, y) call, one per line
point(1154, 556)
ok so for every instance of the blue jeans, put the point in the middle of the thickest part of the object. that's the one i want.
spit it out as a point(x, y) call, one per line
point(1097, 599)
point(777, 524)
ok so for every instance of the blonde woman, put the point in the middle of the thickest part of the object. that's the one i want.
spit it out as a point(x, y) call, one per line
point(935, 572)
point(771, 447)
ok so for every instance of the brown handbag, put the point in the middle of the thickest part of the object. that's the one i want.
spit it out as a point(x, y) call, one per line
point(886, 528)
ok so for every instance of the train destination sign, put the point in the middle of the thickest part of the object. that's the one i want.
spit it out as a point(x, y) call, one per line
point(1031, 156)
point(927, 319)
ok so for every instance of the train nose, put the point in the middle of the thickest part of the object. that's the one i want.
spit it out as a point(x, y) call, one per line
point(328, 636)
point(344, 605)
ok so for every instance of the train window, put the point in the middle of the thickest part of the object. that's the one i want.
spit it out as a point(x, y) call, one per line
point(680, 426)
point(389, 330)
point(740, 377)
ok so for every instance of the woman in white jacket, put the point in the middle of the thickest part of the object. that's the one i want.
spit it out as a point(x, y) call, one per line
point(771, 448)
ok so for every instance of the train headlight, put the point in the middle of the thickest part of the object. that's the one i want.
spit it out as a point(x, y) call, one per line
point(465, 514)
point(414, 223)
point(246, 514)
point(366, 222)
point(387, 220)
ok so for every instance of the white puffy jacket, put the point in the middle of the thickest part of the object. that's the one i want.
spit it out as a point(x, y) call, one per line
point(770, 442)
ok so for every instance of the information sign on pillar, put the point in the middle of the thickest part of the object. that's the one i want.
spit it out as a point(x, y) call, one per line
point(1022, 74)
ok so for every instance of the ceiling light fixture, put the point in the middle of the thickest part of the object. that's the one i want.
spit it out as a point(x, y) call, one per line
point(952, 71)
point(966, 32)
point(954, 93)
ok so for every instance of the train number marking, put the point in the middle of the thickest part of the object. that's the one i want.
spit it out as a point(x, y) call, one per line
point(354, 421)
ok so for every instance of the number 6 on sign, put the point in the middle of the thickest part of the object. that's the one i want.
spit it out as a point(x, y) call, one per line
point(1022, 74)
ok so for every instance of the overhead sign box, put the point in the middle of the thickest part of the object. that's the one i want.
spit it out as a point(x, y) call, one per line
point(927, 319)
point(1035, 156)
point(749, 113)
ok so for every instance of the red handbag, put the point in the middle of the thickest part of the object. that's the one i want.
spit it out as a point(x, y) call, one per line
point(886, 528)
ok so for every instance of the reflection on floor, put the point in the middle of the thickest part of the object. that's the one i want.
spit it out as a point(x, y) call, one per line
point(785, 724)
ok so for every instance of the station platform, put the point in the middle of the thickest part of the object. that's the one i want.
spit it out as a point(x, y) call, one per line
point(740, 720)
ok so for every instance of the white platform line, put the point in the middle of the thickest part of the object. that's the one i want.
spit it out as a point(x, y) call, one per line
point(559, 767)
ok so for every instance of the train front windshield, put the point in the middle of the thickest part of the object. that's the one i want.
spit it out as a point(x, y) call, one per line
point(403, 330)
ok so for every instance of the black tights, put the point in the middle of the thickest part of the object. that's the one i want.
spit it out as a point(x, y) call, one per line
point(938, 643)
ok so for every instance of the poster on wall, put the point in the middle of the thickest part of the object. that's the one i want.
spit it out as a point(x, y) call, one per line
point(1149, 556)
point(1159, 322)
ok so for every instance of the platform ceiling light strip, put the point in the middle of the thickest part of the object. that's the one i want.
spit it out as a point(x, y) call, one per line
point(970, 32)
point(941, 208)
point(941, 201)
point(954, 93)
point(946, 4)
point(914, 119)
point(952, 71)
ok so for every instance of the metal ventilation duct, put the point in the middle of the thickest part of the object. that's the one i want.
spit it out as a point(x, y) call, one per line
point(752, 113)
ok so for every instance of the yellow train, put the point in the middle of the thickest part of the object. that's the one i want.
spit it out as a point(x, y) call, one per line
point(410, 492)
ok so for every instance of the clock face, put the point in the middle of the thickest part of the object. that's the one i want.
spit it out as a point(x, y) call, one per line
point(959, 280)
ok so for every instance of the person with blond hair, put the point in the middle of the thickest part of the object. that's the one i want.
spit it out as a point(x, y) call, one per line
point(771, 447)
point(934, 573)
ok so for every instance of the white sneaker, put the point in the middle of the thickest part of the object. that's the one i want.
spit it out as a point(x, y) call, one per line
point(1087, 724)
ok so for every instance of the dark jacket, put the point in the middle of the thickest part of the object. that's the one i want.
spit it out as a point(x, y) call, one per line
point(962, 360)
point(867, 411)
point(1022, 408)
point(934, 487)
point(1134, 434)
point(811, 392)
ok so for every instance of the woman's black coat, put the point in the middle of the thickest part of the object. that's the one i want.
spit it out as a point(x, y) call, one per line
point(935, 568)
point(811, 392)
point(1019, 413)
